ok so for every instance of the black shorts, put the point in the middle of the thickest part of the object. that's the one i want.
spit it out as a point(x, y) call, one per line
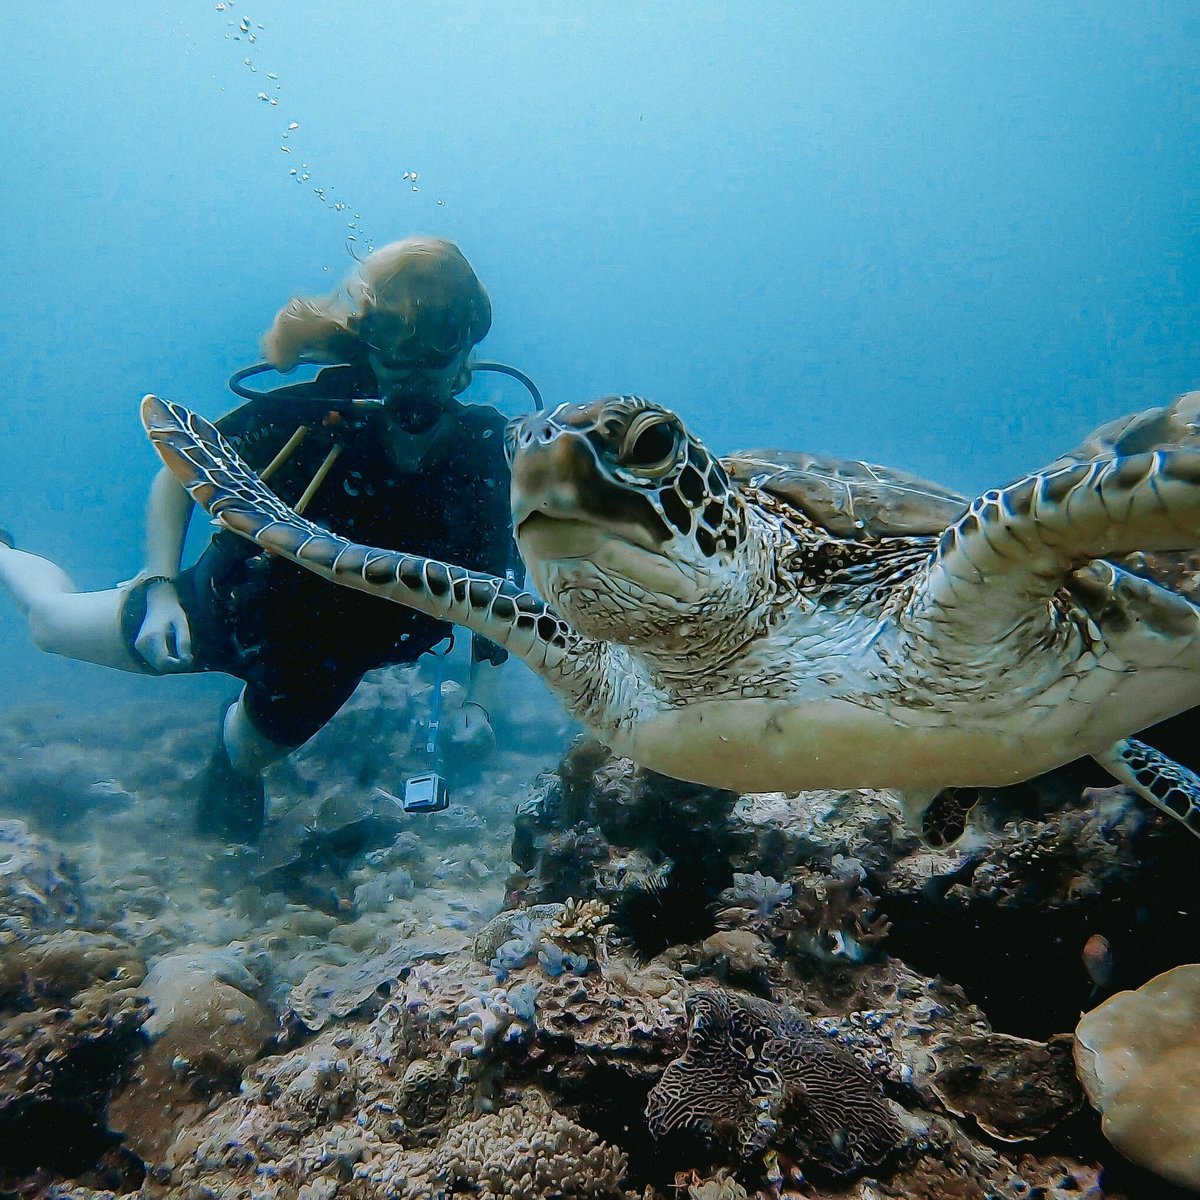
point(294, 685)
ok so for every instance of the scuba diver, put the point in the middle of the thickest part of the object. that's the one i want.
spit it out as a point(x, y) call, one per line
point(376, 447)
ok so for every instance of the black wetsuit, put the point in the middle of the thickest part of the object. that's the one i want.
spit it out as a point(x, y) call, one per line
point(301, 643)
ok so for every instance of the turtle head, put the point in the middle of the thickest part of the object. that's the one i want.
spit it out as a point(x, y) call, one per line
point(628, 525)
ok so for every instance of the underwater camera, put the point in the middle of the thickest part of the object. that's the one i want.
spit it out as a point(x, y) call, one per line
point(425, 793)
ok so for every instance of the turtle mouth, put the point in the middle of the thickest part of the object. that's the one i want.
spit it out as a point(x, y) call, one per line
point(546, 536)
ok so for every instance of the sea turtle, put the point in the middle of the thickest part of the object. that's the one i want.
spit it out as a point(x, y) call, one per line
point(714, 621)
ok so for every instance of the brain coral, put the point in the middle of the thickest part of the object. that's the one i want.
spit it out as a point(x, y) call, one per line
point(749, 1060)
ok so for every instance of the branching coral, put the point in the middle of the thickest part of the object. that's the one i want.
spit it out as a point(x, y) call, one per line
point(563, 937)
point(524, 1152)
point(826, 915)
point(498, 1015)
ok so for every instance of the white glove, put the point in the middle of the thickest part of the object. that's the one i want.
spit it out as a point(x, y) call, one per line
point(470, 730)
point(165, 638)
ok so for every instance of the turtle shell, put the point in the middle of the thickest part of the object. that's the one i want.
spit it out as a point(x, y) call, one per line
point(849, 498)
point(1172, 427)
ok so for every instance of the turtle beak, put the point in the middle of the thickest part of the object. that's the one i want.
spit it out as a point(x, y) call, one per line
point(548, 467)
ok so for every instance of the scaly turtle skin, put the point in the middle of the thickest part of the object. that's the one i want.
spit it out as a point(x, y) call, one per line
point(710, 628)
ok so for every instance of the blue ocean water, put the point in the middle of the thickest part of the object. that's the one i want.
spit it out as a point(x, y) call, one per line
point(953, 238)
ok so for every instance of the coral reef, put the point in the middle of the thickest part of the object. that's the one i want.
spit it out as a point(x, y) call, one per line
point(39, 887)
point(70, 1028)
point(524, 1152)
point(206, 1028)
point(657, 850)
point(688, 993)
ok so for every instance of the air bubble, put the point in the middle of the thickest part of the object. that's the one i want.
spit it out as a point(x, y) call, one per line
point(246, 62)
point(219, 7)
point(294, 125)
point(264, 97)
point(272, 75)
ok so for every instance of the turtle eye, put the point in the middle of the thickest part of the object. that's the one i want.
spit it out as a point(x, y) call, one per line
point(650, 444)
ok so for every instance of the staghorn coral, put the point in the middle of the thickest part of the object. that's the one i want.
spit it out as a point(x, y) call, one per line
point(748, 1061)
point(582, 924)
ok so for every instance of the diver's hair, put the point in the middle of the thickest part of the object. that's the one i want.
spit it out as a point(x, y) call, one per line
point(425, 281)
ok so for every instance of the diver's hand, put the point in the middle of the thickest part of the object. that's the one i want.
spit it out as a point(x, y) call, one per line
point(165, 638)
point(470, 730)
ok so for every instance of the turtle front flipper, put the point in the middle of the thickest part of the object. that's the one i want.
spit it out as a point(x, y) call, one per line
point(218, 480)
point(1157, 779)
point(1016, 546)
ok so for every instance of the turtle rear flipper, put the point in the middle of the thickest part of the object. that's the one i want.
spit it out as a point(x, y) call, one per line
point(1160, 780)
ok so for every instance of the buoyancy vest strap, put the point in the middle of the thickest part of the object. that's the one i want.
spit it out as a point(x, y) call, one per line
point(284, 454)
point(318, 479)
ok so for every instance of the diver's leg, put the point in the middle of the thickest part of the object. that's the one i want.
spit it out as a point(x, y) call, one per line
point(88, 626)
point(233, 801)
point(264, 725)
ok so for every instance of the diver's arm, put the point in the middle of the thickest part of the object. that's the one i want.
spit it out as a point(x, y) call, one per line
point(165, 639)
point(168, 512)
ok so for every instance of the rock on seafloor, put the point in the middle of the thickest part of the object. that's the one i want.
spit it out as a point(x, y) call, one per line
point(1138, 1055)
